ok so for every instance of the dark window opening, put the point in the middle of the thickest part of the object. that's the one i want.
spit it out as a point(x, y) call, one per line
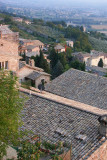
point(6, 65)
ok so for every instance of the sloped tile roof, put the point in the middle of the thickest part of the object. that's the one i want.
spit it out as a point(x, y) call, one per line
point(33, 75)
point(81, 86)
point(45, 117)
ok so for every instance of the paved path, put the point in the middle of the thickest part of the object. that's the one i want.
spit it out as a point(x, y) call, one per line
point(65, 101)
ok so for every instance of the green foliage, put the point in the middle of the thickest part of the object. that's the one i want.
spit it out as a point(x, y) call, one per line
point(53, 57)
point(41, 62)
point(62, 59)
point(57, 70)
point(8, 20)
point(78, 65)
point(105, 75)
point(100, 63)
point(98, 35)
point(23, 57)
point(81, 39)
point(33, 151)
point(67, 67)
point(98, 44)
point(48, 145)
point(29, 151)
point(69, 51)
point(38, 21)
point(26, 84)
point(10, 108)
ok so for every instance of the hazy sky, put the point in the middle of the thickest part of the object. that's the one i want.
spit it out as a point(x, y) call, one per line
point(69, 3)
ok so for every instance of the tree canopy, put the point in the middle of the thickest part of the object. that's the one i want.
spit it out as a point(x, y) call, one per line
point(41, 62)
point(10, 107)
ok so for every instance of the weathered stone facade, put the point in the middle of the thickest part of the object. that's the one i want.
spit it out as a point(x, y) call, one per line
point(9, 58)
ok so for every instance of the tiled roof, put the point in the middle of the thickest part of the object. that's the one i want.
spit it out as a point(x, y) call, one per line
point(96, 68)
point(81, 54)
point(33, 75)
point(59, 46)
point(81, 86)
point(30, 54)
point(35, 42)
point(47, 118)
point(31, 47)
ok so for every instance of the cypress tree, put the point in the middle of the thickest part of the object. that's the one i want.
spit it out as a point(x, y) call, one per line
point(57, 70)
point(100, 63)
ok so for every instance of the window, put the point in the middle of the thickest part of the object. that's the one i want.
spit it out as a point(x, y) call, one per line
point(2, 64)
point(6, 65)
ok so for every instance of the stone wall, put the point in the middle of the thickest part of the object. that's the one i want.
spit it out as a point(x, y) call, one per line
point(38, 80)
point(13, 37)
point(13, 62)
point(23, 72)
point(100, 153)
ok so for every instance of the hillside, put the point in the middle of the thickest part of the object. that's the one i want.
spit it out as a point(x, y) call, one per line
point(56, 31)
point(98, 44)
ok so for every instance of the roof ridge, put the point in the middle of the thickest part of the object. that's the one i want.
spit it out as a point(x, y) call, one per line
point(67, 102)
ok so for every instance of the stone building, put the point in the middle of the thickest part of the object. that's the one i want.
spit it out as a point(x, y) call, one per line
point(59, 48)
point(91, 59)
point(7, 34)
point(9, 58)
point(70, 43)
point(31, 54)
point(27, 45)
point(17, 19)
point(33, 74)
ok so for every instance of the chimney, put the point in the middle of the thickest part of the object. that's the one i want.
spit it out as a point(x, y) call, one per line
point(103, 125)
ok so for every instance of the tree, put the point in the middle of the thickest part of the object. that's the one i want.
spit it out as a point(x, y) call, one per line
point(62, 58)
point(10, 108)
point(100, 63)
point(53, 57)
point(41, 62)
point(78, 65)
point(57, 70)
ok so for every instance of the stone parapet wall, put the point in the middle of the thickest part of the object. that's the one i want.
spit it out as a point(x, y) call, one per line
point(100, 153)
